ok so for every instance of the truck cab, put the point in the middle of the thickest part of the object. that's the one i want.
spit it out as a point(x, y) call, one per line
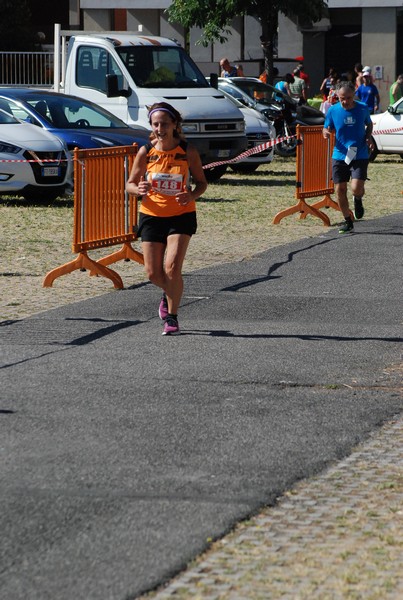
point(127, 73)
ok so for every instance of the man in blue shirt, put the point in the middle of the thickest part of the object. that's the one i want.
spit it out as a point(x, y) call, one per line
point(368, 93)
point(353, 126)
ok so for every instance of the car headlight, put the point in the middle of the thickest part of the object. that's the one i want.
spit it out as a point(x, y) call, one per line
point(9, 148)
point(190, 127)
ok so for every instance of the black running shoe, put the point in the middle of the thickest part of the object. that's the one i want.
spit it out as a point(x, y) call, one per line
point(347, 226)
point(358, 208)
point(171, 326)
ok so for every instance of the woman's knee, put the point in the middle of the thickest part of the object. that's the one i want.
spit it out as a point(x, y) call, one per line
point(173, 270)
point(154, 275)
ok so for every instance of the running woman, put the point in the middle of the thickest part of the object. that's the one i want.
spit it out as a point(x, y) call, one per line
point(168, 176)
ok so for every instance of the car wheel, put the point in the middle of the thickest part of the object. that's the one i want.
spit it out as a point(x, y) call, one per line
point(374, 152)
point(214, 174)
point(245, 168)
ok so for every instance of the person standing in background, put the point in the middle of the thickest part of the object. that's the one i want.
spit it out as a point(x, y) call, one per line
point(298, 88)
point(228, 70)
point(284, 85)
point(328, 83)
point(305, 77)
point(359, 80)
point(368, 93)
point(396, 90)
point(264, 76)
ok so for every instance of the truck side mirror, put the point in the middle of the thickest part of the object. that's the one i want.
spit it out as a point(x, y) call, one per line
point(392, 110)
point(214, 80)
point(112, 87)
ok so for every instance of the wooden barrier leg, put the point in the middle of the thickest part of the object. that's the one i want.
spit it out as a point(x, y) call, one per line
point(303, 208)
point(83, 261)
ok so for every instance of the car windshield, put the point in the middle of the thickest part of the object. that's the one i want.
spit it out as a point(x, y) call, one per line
point(161, 67)
point(63, 112)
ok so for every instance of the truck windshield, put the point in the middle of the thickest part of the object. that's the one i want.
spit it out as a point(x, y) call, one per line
point(161, 67)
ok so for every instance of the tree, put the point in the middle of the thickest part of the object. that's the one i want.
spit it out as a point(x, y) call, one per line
point(215, 16)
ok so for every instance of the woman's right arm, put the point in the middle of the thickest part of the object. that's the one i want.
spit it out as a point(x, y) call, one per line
point(136, 186)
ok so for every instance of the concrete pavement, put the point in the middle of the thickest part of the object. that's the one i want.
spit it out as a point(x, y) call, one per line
point(124, 453)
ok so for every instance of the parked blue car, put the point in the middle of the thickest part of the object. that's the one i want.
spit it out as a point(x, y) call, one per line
point(79, 123)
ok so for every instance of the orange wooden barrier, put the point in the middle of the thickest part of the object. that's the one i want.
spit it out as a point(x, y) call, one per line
point(104, 214)
point(314, 175)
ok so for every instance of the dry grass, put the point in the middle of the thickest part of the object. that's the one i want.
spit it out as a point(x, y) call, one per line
point(235, 222)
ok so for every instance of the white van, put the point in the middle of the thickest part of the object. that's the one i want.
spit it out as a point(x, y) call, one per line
point(126, 73)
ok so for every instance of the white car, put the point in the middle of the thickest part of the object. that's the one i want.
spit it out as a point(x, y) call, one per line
point(258, 131)
point(390, 126)
point(34, 164)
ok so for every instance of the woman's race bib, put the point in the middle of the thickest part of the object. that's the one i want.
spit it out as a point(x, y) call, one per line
point(168, 184)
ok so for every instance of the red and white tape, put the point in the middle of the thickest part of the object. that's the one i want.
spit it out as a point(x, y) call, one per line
point(254, 150)
point(250, 152)
point(386, 131)
point(266, 145)
point(45, 160)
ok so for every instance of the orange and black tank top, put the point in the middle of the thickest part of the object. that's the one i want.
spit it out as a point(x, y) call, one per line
point(168, 174)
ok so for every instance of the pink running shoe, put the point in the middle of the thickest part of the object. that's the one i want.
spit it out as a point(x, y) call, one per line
point(163, 308)
point(171, 326)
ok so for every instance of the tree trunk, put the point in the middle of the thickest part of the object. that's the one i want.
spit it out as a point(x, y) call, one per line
point(269, 22)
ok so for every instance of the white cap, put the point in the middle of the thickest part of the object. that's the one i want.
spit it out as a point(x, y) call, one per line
point(366, 72)
point(367, 69)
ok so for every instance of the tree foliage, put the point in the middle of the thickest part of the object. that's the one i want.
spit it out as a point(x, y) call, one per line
point(15, 25)
point(214, 17)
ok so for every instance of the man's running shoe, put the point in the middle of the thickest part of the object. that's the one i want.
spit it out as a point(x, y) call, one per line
point(171, 326)
point(163, 308)
point(358, 208)
point(347, 226)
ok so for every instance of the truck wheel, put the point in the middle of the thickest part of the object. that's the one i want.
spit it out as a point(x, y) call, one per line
point(214, 174)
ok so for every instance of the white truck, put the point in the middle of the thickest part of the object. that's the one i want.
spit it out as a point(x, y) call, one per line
point(125, 73)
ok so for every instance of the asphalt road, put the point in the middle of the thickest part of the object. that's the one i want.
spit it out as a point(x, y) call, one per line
point(123, 452)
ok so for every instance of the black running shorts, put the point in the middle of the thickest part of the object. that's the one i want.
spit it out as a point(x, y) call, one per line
point(357, 169)
point(157, 229)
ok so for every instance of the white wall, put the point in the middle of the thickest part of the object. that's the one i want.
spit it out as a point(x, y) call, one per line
point(379, 47)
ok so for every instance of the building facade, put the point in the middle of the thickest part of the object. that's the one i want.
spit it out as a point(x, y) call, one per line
point(366, 31)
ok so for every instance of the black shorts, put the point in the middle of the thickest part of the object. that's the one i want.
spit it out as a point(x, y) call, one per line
point(357, 169)
point(157, 229)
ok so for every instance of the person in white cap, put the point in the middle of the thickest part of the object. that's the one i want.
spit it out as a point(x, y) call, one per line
point(368, 92)
point(368, 72)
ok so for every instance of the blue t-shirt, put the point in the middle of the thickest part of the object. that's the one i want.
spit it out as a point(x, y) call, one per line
point(280, 85)
point(233, 72)
point(350, 128)
point(368, 94)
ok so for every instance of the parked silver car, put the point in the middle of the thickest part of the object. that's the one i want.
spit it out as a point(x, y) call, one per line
point(34, 164)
